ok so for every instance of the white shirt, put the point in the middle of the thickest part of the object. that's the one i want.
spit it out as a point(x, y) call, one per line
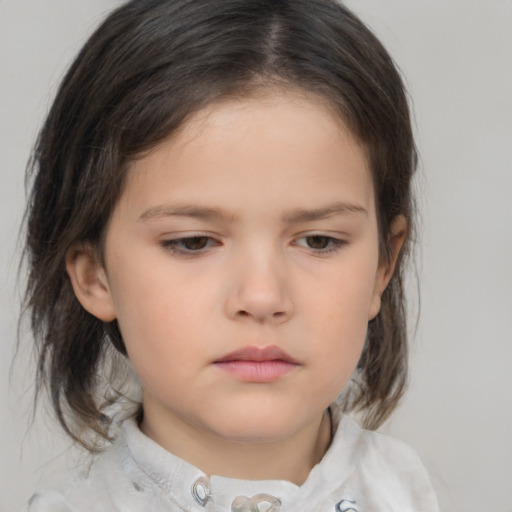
point(362, 471)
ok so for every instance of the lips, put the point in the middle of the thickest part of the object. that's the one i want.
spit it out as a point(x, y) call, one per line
point(255, 364)
point(272, 353)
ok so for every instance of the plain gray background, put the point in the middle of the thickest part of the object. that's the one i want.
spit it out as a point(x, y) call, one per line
point(457, 58)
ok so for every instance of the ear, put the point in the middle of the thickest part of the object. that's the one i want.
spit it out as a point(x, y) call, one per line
point(89, 281)
point(399, 227)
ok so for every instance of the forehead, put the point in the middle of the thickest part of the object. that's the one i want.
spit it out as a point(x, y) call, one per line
point(265, 149)
point(294, 112)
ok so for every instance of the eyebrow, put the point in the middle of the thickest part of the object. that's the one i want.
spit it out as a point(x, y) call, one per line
point(196, 212)
point(331, 210)
point(289, 217)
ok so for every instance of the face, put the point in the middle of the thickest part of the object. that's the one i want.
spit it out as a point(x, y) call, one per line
point(242, 265)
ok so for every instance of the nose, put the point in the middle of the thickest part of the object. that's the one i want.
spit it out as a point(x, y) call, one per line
point(260, 290)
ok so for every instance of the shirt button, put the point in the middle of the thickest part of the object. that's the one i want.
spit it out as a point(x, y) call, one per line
point(201, 491)
point(245, 504)
point(346, 505)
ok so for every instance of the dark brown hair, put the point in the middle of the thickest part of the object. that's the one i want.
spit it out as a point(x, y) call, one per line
point(148, 67)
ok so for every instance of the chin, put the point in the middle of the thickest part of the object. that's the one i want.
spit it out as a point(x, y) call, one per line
point(255, 430)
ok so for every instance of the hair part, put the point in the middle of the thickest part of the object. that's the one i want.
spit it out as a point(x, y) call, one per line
point(150, 66)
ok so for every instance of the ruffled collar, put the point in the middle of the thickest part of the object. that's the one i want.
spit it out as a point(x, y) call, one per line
point(192, 489)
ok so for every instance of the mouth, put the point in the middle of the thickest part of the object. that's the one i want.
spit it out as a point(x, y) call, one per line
point(255, 364)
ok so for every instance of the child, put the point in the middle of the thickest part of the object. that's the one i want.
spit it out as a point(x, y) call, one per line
point(221, 205)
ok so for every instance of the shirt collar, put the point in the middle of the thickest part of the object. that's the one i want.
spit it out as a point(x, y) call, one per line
point(192, 489)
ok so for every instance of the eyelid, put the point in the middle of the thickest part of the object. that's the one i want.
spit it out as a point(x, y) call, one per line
point(336, 242)
point(175, 244)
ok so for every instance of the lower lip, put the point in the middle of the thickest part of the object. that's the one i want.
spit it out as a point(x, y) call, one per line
point(256, 371)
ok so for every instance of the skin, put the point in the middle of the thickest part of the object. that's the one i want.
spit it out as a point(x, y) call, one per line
point(254, 225)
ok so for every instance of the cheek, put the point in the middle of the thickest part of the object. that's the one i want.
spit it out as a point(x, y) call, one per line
point(157, 315)
point(339, 315)
point(342, 296)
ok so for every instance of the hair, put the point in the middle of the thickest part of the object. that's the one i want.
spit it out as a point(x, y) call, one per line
point(147, 68)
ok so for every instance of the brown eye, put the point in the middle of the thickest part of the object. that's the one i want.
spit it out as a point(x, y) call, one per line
point(195, 243)
point(320, 245)
point(189, 245)
point(318, 242)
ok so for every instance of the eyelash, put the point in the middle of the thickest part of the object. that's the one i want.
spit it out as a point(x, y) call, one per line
point(179, 245)
point(332, 244)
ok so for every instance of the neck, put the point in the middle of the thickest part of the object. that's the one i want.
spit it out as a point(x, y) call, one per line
point(288, 459)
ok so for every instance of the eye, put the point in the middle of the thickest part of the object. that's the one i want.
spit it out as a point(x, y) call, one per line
point(318, 241)
point(189, 244)
point(322, 244)
point(194, 243)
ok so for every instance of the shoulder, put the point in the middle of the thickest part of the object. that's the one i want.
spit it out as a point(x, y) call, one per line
point(102, 485)
point(392, 453)
point(399, 459)
point(388, 471)
point(79, 491)
point(49, 501)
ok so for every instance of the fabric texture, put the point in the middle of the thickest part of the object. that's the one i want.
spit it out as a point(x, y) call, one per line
point(363, 471)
